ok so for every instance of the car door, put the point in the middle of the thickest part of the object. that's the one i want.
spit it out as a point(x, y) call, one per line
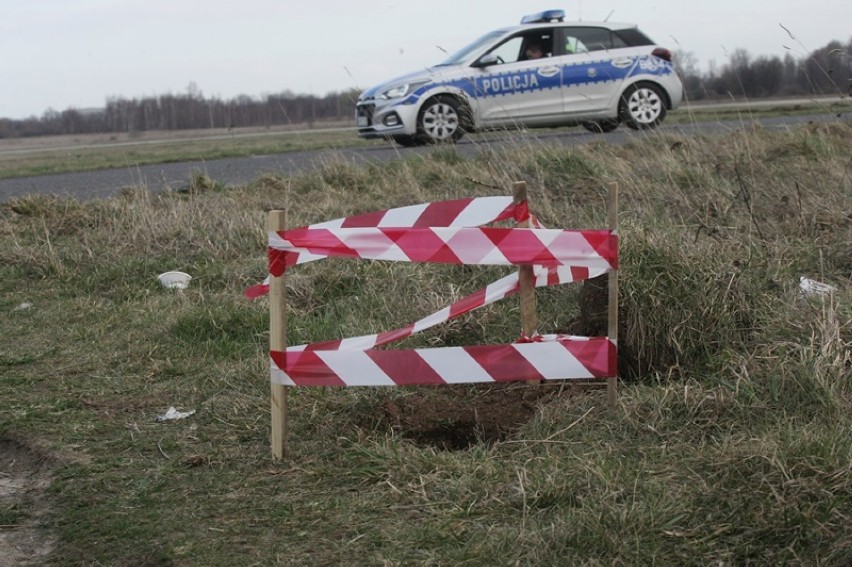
point(594, 68)
point(517, 89)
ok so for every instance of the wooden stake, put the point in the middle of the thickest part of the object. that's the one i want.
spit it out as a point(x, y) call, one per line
point(526, 277)
point(525, 273)
point(612, 331)
point(278, 341)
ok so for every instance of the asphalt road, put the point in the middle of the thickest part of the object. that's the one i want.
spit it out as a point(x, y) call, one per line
point(240, 171)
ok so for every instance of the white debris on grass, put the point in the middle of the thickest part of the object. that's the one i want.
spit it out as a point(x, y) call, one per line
point(173, 413)
point(813, 287)
point(174, 280)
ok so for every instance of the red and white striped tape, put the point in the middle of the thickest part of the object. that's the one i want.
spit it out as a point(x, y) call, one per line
point(467, 212)
point(492, 293)
point(592, 249)
point(541, 360)
point(443, 232)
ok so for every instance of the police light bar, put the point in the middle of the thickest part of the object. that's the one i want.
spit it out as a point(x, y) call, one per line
point(544, 17)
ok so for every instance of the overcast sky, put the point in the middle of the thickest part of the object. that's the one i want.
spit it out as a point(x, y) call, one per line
point(64, 54)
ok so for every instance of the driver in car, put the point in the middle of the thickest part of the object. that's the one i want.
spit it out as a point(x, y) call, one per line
point(533, 51)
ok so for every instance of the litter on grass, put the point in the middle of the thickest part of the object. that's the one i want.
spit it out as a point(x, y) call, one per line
point(174, 280)
point(813, 287)
point(173, 413)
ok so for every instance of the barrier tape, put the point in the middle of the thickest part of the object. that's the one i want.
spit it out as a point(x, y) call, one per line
point(593, 249)
point(475, 211)
point(446, 232)
point(540, 360)
point(492, 293)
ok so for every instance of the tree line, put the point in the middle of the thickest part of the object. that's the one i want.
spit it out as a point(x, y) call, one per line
point(190, 110)
point(827, 70)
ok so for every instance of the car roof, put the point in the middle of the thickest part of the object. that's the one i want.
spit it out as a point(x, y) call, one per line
point(579, 24)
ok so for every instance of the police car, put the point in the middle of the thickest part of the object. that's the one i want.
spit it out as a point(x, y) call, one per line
point(543, 72)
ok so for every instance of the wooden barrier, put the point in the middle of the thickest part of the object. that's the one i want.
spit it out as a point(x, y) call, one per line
point(277, 224)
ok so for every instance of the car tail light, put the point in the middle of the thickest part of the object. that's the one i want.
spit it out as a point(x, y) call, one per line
point(662, 53)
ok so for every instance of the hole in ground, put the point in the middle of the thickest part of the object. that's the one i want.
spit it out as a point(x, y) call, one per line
point(455, 418)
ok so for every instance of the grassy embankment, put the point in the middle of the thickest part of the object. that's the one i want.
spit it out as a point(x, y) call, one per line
point(731, 445)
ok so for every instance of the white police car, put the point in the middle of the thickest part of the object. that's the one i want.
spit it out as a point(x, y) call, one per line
point(594, 74)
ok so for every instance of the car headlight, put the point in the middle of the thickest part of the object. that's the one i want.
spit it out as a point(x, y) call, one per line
point(400, 91)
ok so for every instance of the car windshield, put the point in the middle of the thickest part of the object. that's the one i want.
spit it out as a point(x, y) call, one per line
point(465, 52)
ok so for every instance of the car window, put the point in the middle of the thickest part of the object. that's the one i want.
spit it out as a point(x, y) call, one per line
point(528, 45)
point(584, 40)
point(467, 50)
point(509, 51)
point(633, 37)
point(574, 45)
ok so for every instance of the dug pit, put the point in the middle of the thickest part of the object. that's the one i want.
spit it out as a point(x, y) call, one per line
point(454, 418)
point(458, 417)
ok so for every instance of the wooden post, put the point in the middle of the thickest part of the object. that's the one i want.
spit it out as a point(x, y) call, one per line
point(526, 276)
point(612, 325)
point(278, 341)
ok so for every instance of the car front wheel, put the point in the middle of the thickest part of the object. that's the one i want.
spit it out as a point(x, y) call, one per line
point(440, 120)
point(643, 106)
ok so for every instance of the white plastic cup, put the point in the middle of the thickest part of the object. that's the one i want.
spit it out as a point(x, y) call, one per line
point(174, 280)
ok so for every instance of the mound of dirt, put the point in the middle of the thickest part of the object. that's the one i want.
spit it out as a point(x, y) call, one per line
point(594, 322)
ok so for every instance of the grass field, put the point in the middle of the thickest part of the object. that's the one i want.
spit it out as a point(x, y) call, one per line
point(731, 442)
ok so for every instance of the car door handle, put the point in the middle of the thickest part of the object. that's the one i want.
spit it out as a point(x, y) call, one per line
point(548, 71)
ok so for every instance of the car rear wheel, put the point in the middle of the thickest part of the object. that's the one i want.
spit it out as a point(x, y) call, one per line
point(643, 106)
point(440, 120)
point(601, 126)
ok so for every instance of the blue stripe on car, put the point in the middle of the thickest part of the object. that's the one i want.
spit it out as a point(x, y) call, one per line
point(529, 80)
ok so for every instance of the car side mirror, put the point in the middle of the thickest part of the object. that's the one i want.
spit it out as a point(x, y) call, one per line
point(487, 60)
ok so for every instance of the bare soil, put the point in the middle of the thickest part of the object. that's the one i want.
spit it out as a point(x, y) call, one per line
point(25, 474)
point(459, 417)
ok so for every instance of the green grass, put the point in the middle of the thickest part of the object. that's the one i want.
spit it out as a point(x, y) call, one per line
point(731, 442)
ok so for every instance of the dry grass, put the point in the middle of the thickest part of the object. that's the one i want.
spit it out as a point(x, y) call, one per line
point(732, 439)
